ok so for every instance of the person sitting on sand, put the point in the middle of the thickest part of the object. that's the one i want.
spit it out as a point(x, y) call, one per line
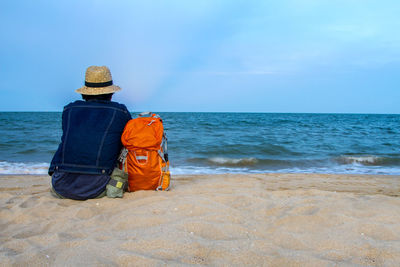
point(91, 139)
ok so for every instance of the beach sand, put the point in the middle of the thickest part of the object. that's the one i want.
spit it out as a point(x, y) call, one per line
point(217, 220)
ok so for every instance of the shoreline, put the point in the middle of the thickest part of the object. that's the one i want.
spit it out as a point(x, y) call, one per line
point(232, 173)
point(271, 219)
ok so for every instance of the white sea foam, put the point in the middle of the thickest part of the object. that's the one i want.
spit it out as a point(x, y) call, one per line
point(7, 168)
point(365, 160)
point(23, 168)
point(337, 169)
point(343, 169)
point(230, 161)
point(205, 170)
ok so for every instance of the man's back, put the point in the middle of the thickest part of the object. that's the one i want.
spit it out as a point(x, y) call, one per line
point(91, 139)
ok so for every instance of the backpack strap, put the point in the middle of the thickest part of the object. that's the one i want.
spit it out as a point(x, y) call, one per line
point(122, 158)
point(164, 152)
point(164, 144)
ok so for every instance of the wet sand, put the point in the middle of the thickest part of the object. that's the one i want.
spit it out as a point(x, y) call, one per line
point(216, 220)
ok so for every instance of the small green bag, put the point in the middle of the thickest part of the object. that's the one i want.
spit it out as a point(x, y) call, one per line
point(117, 184)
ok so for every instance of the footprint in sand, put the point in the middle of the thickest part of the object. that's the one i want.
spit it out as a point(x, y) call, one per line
point(32, 231)
point(85, 213)
point(11, 201)
point(64, 237)
point(29, 203)
point(306, 210)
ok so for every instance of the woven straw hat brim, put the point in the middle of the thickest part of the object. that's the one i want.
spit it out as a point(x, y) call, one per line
point(98, 90)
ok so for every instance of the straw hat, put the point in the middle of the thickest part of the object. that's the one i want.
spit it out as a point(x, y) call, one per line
point(98, 81)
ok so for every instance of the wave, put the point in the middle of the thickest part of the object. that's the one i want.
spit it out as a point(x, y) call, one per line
point(23, 168)
point(240, 149)
point(351, 164)
point(338, 169)
point(29, 151)
point(368, 160)
point(225, 165)
point(233, 162)
point(246, 162)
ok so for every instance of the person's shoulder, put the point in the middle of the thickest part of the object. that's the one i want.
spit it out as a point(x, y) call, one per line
point(105, 104)
point(75, 103)
point(120, 106)
point(117, 104)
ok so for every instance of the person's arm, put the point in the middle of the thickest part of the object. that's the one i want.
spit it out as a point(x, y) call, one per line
point(129, 117)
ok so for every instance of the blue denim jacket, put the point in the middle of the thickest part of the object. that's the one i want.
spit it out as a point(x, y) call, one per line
point(91, 139)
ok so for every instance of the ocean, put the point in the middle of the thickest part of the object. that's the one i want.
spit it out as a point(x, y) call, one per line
point(207, 143)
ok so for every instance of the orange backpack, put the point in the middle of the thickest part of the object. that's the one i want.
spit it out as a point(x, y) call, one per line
point(147, 161)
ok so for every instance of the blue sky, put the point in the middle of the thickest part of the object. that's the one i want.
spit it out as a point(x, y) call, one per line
point(215, 55)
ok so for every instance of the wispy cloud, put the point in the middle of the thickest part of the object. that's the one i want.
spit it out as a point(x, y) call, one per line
point(234, 73)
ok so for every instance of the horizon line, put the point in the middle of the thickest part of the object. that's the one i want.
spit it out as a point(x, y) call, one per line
point(253, 112)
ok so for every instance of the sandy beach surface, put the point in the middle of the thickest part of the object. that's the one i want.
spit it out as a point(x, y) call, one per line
point(215, 220)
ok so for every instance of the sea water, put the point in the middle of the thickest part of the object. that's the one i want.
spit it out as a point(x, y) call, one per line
point(204, 143)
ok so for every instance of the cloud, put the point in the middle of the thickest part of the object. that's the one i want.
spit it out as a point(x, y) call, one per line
point(234, 73)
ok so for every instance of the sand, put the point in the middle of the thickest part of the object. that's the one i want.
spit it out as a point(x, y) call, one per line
point(215, 220)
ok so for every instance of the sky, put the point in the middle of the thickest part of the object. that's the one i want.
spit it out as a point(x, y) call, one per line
point(317, 56)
